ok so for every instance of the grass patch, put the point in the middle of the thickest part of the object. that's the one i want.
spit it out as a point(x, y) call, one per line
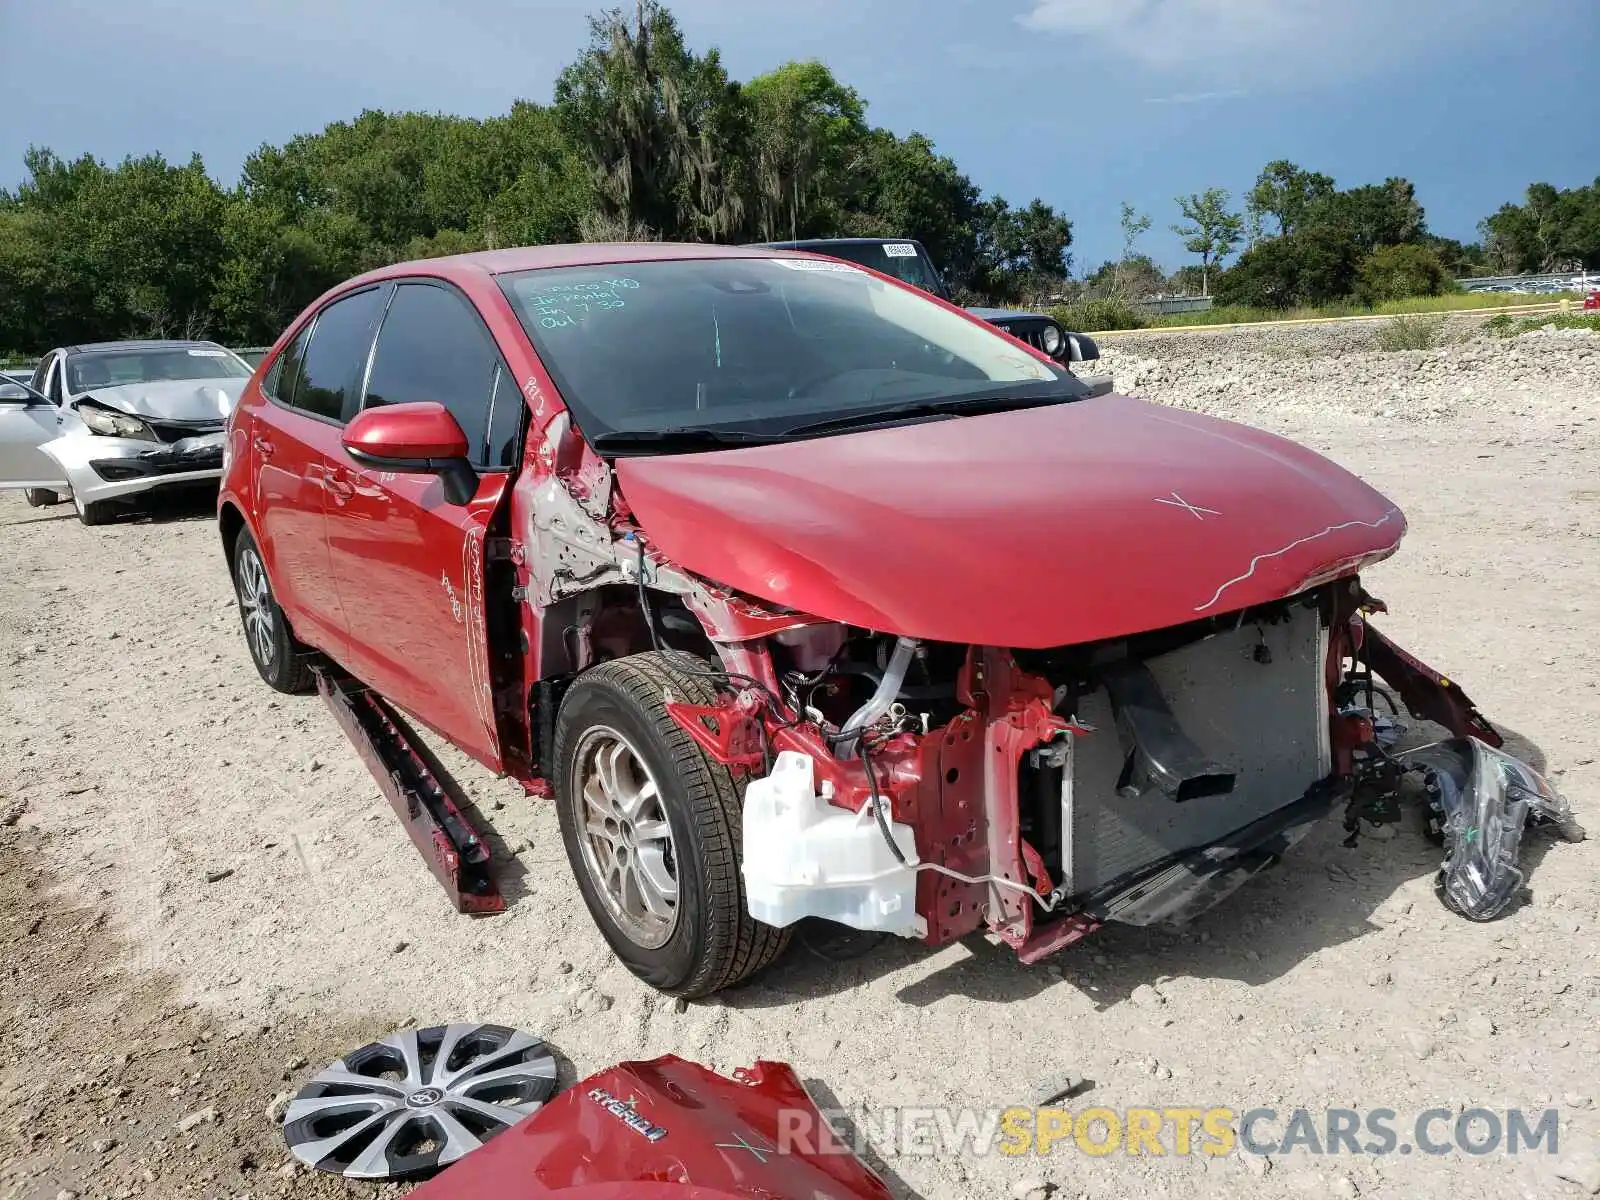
point(1510, 325)
point(1414, 332)
point(1241, 315)
point(1086, 316)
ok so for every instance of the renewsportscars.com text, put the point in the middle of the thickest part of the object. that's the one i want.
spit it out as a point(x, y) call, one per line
point(1177, 1131)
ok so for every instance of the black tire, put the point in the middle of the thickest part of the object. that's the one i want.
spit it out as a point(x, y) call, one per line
point(714, 942)
point(282, 661)
point(40, 497)
point(94, 514)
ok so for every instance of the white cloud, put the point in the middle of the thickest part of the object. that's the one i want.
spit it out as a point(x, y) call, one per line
point(1197, 97)
point(1266, 38)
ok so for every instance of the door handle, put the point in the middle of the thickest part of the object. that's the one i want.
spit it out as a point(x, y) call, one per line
point(263, 446)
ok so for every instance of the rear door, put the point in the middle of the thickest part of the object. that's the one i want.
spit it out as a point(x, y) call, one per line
point(311, 391)
point(409, 564)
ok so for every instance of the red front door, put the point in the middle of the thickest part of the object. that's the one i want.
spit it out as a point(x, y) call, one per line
point(408, 563)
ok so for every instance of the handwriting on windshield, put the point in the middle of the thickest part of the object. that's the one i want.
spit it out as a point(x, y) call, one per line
point(565, 305)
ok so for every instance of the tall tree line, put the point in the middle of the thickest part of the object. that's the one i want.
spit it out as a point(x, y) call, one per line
point(1311, 243)
point(645, 139)
point(1307, 242)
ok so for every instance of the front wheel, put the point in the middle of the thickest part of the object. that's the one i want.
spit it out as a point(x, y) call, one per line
point(652, 827)
point(93, 513)
point(281, 660)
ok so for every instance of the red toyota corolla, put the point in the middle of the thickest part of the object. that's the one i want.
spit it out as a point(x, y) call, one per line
point(808, 595)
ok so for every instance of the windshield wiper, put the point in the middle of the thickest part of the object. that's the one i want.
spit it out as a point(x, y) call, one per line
point(953, 406)
point(684, 437)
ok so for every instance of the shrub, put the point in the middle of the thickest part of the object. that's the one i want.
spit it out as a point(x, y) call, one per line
point(1507, 325)
point(1587, 320)
point(1399, 272)
point(1308, 267)
point(1411, 333)
point(1099, 314)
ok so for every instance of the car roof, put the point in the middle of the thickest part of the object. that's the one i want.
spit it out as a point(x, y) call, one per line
point(533, 258)
point(835, 241)
point(133, 344)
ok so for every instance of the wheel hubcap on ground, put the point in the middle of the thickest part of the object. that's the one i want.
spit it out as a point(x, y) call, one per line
point(255, 605)
point(417, 1101)
point(627, 842)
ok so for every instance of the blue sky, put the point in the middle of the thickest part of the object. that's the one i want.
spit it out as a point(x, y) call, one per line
point(1081, 102)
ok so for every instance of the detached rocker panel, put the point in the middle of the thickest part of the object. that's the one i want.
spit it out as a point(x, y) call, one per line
point(427, 800)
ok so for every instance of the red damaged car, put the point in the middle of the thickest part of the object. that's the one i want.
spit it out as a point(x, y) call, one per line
point(807, 594)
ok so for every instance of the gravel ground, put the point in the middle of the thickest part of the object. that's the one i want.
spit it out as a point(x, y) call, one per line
point(141, 757)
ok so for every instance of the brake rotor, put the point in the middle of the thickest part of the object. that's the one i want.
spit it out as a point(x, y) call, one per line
point(416, 1101)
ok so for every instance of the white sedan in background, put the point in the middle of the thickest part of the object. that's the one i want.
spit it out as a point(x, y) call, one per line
point(102, 422)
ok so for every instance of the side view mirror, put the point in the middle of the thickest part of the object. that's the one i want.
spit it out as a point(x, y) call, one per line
point(419, 438)
point(20, 394)
point(1081, 347)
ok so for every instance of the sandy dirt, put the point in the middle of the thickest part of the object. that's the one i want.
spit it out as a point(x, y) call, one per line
point(140, 755)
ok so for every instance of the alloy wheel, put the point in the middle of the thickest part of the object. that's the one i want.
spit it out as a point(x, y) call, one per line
point(627, 841)
point(255, 606)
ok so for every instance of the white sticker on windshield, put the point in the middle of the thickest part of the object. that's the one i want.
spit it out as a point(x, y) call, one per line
point(812, 264)
point(208, 354)
point(899, 249)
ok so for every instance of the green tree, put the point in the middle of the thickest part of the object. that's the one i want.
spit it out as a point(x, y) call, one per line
point(1315, 265)
point(661, 130)
point(809, 130)
point(548, 189)
point(646, 138)
point(1132, 278)
point(112, 252)
point(1380, 214)
point(1286, 194)
point(1209, 230)
point(906, 188)
point(33, 306)
point(1552, 230)
point(1045, 236)
point(1397, 272)
point(1134, 225)
point(1185, 281)
point(1460, 260)
point(1020, 254)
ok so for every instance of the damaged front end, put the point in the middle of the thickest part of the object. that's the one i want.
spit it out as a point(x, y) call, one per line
point(930, 790)
point(933, 788)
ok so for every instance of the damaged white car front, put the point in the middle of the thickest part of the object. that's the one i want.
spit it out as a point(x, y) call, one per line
point(104, 422)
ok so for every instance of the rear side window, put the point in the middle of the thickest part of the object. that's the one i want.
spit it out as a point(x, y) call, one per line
point(284, 373)
point(433, 346)
point(330, 367)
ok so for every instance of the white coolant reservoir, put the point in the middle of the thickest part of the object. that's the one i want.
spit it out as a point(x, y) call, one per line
point(805, 858)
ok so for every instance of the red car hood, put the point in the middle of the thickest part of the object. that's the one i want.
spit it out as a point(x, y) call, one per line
point(667, 1129)
point(1034, 528)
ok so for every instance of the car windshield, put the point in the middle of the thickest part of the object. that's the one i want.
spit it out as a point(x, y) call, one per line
point(903, 260)
point(113, 368)
point(759, 345)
